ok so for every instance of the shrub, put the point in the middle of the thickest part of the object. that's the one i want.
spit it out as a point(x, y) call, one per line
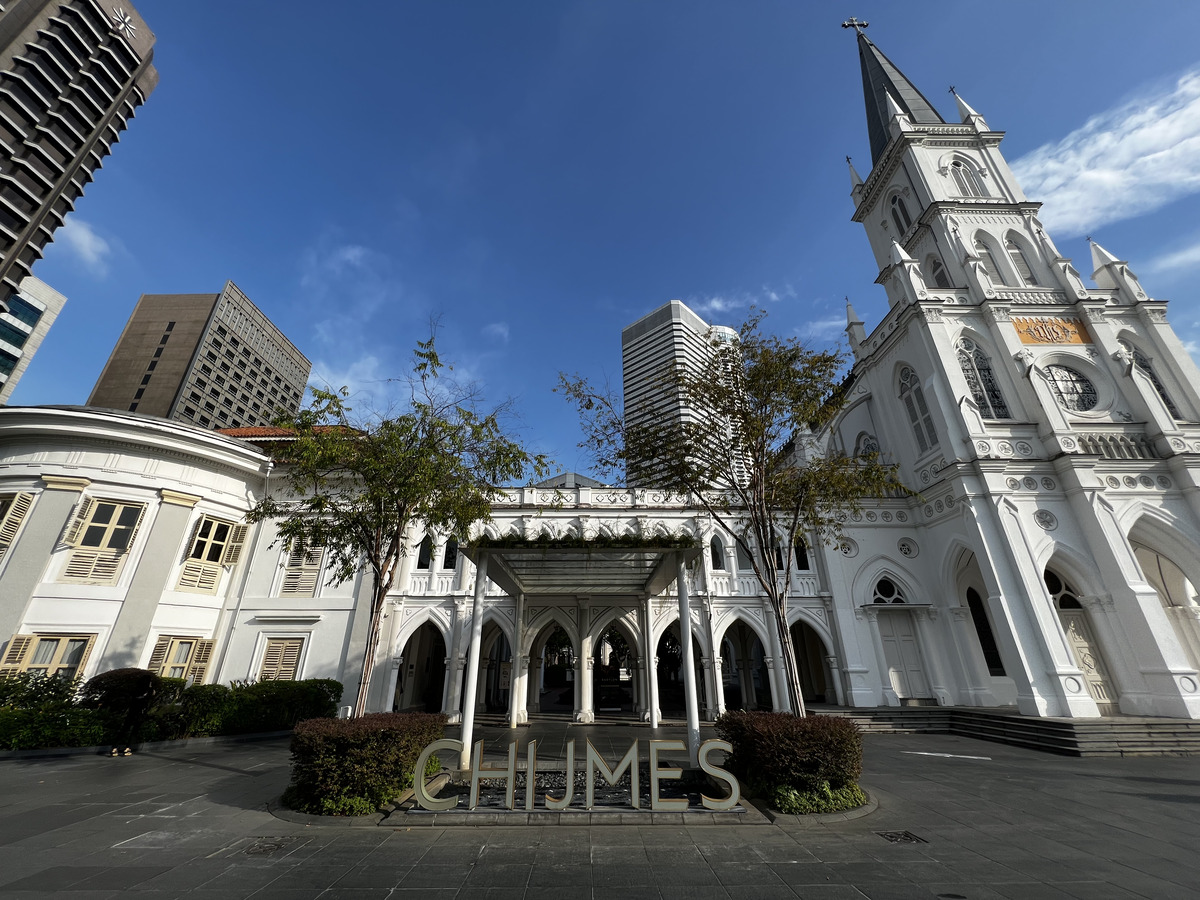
point(52, 725)
point(33, 690)
point(279, 705)
point(202, 710)
point(822, 799)
point(801, 753)
point(119, 691)
point(347, 767)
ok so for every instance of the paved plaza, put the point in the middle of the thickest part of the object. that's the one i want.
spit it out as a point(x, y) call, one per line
point(985, 820)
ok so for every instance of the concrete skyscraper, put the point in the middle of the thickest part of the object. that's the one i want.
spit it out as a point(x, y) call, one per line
point(71, 76)
point(652, 348)
point(213, 360)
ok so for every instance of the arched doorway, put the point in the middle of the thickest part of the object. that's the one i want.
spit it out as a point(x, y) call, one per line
point(614, 668)
point(495, 679)
point(421, 681)
point(671, 683)
point(812, 661)
point(901, 648)
point(552, 672)
point(1084, 647)
point(746, 680)
point(1176, 592)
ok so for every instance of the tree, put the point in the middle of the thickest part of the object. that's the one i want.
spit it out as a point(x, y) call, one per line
point(355, 487)
point(746, 449)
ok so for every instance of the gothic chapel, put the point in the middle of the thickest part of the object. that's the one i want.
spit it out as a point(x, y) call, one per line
point(1050, 428)
point(1047, 567)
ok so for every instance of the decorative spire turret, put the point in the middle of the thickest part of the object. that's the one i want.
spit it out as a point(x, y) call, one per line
point(967, 114)
point(1115, 275)
point(855, 329)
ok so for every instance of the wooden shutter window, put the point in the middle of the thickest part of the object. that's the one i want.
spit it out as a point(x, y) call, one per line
point(200, 577)
point(10, 522)
point(83, 512)
point(281, 661)
point(303, 572)
point(15, 655)
point(233, 549)
point(159, 655)
point(201, 656)
point(93, 566)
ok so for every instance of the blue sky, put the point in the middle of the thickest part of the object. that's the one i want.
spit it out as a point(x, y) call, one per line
point(540, 174)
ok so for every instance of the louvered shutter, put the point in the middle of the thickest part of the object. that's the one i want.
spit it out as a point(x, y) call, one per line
point(93, 566)
point(281, 659)
point(14, 656)
point(190, 545)
point(11, 521)
point(83, 511)
point(87, 651)
point(233, 548)
point(201, 655)
point(158, 657)
point(136, 526)
point(200, 577)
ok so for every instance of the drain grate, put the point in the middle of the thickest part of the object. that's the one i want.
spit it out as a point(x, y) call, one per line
point(901, 837)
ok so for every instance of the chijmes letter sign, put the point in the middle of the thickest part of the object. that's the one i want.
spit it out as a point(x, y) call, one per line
point(594, 763)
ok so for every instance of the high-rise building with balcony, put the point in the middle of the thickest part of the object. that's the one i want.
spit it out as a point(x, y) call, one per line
point(72, 74)
point(214, 360)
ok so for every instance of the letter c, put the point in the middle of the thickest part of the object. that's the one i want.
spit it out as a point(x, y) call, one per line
point(423, 799)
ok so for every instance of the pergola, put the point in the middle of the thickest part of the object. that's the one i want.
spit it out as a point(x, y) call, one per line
point(564, 569)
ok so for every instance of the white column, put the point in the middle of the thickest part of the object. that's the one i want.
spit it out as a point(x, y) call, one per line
point(519, 666)
point(689, 665)
point(651, 666)
point(468, 709)
point(780, 701)
point(584, 706)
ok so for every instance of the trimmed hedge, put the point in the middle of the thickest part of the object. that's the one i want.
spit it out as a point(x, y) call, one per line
point(807, 763)
point(52, 725)
point(279, 705)
point(351, 767)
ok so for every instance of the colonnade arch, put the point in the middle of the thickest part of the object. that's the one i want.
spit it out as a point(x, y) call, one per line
point(1170, 563)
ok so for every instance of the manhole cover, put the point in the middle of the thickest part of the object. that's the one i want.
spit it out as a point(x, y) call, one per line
point(268, 846)
point(901, 837)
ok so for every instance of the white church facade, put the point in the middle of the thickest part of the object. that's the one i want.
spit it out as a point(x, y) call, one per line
point(1047, 565)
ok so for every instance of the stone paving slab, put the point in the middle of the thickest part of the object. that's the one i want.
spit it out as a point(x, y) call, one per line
point(991, 821)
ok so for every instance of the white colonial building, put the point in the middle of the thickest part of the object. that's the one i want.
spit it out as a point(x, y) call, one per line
point(1052, 430)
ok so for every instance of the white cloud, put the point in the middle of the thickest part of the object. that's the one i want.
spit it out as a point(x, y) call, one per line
point(720, 304)
point(823, 330)
point(496, 331)
point(83, 243)
point(1187, 258)
point(1122, 163)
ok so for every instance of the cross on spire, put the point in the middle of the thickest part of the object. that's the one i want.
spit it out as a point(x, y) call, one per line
point(858, 26)
point(954, 92)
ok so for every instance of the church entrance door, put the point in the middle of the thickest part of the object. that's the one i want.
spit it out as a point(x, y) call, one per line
point(903, 656)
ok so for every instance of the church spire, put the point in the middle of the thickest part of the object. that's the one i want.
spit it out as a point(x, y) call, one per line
point(881, 81)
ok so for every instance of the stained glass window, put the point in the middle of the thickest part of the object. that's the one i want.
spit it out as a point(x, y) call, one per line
point(1071, 389)
point(981, 380)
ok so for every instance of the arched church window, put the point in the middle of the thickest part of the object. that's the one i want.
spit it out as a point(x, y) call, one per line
point(1072, 389)
point(1061, 592)
point(450, 557)
point(425, 553)
point(716, 550)
point(887, 592)
point(1020, 263)
point(900, 215)
point(981, 380)
point(937, 272)
point(919, 417)
point(967, 180)
point(983, 628)
point(866, 444)
point(1144, 365)
point(745, 564)
point(984, 252)
point(1173, 586)
point(801, 550)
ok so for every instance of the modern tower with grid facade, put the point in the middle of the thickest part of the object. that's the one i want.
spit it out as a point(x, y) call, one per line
point(71, 76)
point(214, 360)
